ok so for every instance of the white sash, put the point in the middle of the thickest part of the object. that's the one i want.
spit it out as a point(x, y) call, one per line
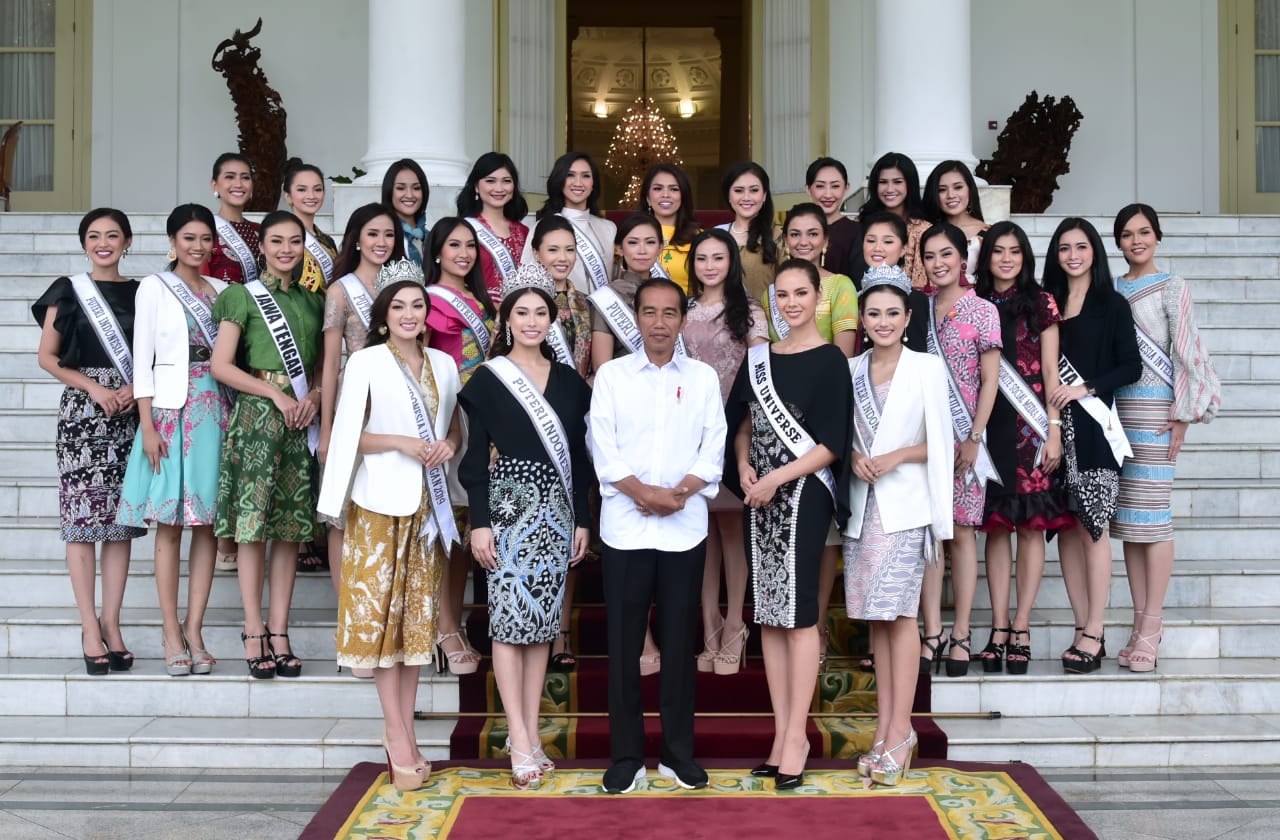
point(105, 325)
point(196, 308)
point(1153, 355)
point(459, 304)
point(982, 470)
point(1106, 417)
point(657, 271)
point(358, 297)
point(592, 260)
point(230, 237)
point(1024, 401)
point(780, 325)
point(622, 320)
point(864, 402)
point(545, 421)
point(785, 425)
point(441, 522)
point(560, 344)
point(322, 257)
point(492, 244)
point(278, 326)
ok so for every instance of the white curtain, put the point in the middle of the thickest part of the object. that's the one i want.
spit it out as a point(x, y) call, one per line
point(26, 88)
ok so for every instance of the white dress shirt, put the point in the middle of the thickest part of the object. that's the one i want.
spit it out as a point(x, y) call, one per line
point(658, 424)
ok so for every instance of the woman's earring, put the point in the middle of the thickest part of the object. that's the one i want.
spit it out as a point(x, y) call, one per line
point(173, 255)
point(477, 195)
point(357, 249)
point(437, 260)
point(508, 335)
point(382, 330)
point(262, 263)
point(215, 194)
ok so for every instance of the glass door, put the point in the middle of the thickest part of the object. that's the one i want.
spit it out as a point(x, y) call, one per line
point(1258, 107)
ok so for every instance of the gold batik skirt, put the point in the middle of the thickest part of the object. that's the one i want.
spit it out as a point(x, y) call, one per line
point(389, 601)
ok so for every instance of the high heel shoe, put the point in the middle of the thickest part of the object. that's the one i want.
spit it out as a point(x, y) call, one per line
point(959, 667)
point(787, 781)
point(1077, 661)
point(934, 659)
point(992, 656)
point(765, 770)
point(121, 660)
point(869, 759)
point(545, 764)
point(97, 664)
point(202, 661)
point(287, 665)
point(1146, 651)
point(564, 661)
point(824, 643)
point(176, 664)
point(727, 663)
point(1122, 658)
point(405, 779)
point(525, 772)
point(1018, 656)
point(710, 647)
point(257, 664)
point(459, 662)
point(889, 772)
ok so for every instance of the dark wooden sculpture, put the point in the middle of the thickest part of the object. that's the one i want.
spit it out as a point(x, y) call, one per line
point(260, 115)
point(1031, 153)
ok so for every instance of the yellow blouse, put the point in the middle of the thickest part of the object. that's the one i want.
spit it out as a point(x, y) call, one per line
point(674, 259)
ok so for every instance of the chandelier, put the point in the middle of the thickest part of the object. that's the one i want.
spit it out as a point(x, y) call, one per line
point(642, 138)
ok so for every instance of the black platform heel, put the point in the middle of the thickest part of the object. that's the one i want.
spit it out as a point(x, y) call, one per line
point(956, 667)
point(1077, 661)
point(1018, 656)
point(287, 665)
point(934, 660)
point(992, 656)
point(256, 663)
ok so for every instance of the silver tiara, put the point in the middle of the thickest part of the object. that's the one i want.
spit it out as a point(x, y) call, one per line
point(531, 275)
point(885, 275)
point(395, 271)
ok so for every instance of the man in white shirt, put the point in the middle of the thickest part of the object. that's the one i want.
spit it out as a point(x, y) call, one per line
point(657, 438)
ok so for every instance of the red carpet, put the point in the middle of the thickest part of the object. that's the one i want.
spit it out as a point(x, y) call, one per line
point(709, 818)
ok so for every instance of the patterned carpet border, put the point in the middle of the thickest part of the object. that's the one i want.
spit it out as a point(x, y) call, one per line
point(972, 801)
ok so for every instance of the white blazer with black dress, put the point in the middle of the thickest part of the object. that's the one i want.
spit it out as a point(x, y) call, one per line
point(161, 343)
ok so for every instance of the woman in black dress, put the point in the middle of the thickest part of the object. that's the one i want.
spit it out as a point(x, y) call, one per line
point(529, 519)
point(1099, 342)
point(97, 419)
point(794, 488)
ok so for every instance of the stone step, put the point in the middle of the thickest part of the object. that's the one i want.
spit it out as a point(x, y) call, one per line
point(1189, 632)
point(47, 687)
point(1177, 687)
point(1183, 741)
point(335, 743)
point(1229, 312)
point(1246, 365)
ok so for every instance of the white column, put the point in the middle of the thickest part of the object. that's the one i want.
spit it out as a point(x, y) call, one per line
point(923, 103)
point(531, 69)
point(786, 93)
point(416, 101)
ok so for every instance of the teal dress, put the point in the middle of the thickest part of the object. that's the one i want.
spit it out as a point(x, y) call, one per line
point(185, 491)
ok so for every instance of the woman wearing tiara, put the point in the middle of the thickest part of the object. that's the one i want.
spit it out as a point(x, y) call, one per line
point(492, 203)
point(394, 431)
point(461, 322)
point(529, 515)
point(573, 191)
point(372, 240)
point(304, 196)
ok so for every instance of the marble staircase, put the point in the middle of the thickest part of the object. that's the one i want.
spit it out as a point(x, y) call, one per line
point(1215, 698)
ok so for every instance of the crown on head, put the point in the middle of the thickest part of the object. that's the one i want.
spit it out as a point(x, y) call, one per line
point(393, 271)
point(885, 275)
point(531, 275)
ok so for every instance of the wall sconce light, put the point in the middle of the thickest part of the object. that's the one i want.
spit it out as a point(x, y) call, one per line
point(686, 108)
point(601, 110)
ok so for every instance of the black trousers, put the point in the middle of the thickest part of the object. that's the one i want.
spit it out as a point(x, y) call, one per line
point(632, 581)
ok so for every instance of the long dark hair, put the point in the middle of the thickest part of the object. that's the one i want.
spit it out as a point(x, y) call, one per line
point(933, 207)
point(1055, 279)
point(737, 310)
point(560, 175)
point(378, 332)
point(469, 203)
point(913, 207)
point(389, 185)
point(474, 281)
point(350, 256)
point(1025, 300)
point(953, 234)
point(501, 346)
point(686, 225)
point(760, 229)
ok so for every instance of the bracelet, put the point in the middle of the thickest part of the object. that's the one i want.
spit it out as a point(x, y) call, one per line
point(1055, 422)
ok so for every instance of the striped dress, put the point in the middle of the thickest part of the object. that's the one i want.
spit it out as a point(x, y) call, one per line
point(1162, 309)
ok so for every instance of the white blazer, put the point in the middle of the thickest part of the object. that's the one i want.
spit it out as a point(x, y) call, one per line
point(915, 410)
point(389, 483)
point(160, 343)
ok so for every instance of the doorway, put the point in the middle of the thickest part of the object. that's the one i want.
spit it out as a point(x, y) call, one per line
point(1250, 45)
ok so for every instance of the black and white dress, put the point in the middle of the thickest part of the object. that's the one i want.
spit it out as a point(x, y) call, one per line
point(523, 500)
point(786, 537)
